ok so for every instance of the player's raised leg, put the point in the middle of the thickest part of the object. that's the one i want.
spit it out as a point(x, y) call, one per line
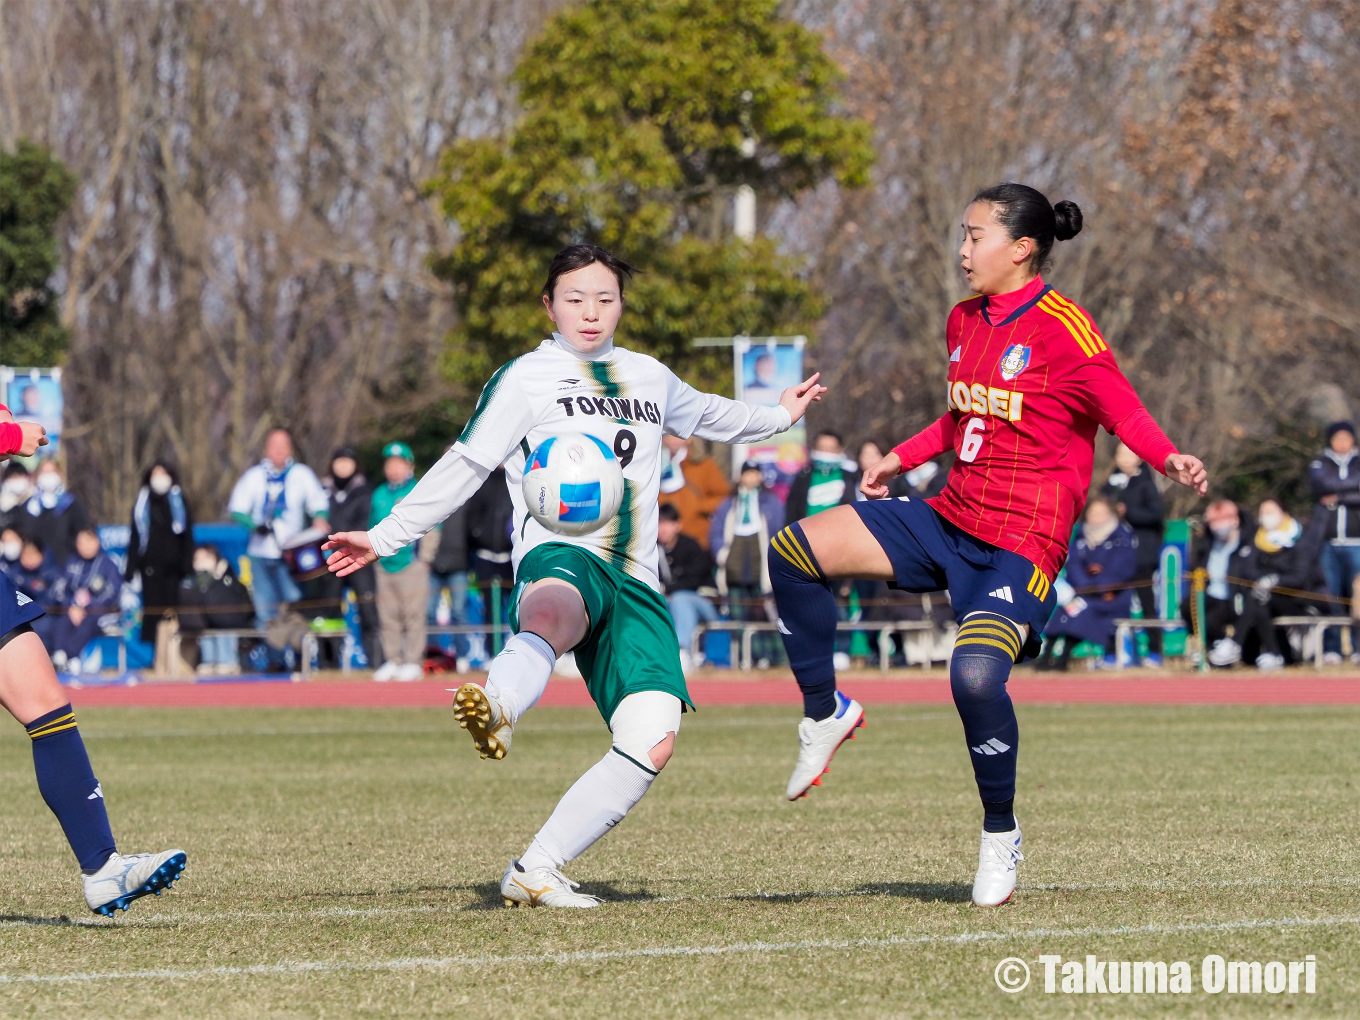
point(644, 727)
point(803, 558)
point(551, 615)
point(30, 692)
point(987, 646)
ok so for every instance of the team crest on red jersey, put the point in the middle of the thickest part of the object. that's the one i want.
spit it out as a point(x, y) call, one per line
point(1014, 361)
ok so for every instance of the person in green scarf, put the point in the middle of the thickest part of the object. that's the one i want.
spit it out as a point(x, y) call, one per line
point(403, 578)
point(827, 480)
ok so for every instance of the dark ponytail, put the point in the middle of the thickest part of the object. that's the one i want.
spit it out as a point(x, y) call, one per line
point(1025, 212)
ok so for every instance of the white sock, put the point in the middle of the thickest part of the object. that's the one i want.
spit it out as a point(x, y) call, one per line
point(594, 805)
point(519, 674)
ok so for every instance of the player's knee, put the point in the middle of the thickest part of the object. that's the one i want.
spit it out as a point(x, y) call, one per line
point(644, 727)
point(790, 558)
point(661, 753)
point(554, 613)
point(986, 648)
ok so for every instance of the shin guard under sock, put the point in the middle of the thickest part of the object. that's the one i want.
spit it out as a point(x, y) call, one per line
point(68, 785)
point(984, 652)
point(595, 804)
point(807, 618)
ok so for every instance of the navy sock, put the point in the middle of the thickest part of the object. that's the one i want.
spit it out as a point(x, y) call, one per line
point(67, 783)
point(807, 617)
point(984, 652)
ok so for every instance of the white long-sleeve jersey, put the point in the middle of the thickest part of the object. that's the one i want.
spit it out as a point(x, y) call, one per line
point(625, 399)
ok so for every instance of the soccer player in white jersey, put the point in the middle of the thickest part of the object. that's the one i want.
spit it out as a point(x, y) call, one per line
point(596, 594)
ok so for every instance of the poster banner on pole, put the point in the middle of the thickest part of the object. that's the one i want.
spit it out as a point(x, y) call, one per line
point(764, 368)
point(34, 394)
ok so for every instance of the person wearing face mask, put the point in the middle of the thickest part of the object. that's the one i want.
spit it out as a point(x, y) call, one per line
point(739, 536)
point(87, 588)
point(54, 515)
point(160, 545)
point(15, 488)
point(1286, 558)
point(211, 598)
point(1225, 550)
point(1102, 562)
point(827, 480)
point(351, 501)
point(11, 547)
point(1335, 479)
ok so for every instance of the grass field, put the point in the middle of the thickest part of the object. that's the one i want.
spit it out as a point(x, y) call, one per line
point(345, 863)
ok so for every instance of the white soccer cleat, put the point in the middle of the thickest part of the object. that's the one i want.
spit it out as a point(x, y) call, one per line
point(819, 742)
point(123, 879)
point(387, 671)
point(999, 857)
point(484, 719)
point(542, 887)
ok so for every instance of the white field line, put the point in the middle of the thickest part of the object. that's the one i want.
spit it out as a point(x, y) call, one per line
point(174, 920)
point(731, 949)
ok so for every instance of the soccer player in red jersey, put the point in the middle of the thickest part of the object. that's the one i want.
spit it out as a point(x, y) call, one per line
point(1030, 379)
point(30, 692)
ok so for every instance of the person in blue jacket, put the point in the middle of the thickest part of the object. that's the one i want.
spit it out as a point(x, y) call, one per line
point(86, 590)
point(1104, 558)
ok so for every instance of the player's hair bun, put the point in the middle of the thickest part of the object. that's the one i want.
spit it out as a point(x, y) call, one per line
point(1066, 220)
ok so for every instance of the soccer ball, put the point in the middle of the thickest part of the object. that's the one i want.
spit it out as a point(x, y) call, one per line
point(573, 484)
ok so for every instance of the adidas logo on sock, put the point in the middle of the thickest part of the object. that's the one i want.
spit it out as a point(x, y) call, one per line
point(1004, 592)
point(992, 746)
point(98, 791)
point(21, 598)
point(782, 628)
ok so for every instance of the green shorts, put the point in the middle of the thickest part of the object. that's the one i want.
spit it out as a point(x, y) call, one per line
point(630, 645)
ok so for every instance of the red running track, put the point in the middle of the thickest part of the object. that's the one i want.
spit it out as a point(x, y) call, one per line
point(1232, 689)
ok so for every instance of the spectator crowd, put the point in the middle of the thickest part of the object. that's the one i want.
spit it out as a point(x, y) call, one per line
point(1261, 565)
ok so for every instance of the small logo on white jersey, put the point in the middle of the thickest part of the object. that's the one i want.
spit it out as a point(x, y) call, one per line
point(568, 383)
point(98, 791)
point(783, 629)
point(21, 598)
point(1004, 592)
point(958, 352)
point(992, 746)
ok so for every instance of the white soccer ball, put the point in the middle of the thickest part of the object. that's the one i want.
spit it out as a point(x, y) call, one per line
point(573, 484)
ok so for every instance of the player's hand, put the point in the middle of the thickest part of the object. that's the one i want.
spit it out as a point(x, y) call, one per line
point(876, 479)
point(35, 436)
point(797, 399)
point(352, 551)
point(1188, 470)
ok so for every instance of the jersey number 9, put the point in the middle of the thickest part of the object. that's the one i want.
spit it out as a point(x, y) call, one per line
point(624, 445)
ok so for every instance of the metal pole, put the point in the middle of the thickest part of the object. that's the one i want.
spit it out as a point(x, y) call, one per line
point(1199, 581)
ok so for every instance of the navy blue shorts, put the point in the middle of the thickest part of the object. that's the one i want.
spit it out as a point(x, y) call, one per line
point(16, 608)
point(930, 553)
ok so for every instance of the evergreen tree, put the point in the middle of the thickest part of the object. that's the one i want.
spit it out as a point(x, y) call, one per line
point(35, 190)
point(640, 121)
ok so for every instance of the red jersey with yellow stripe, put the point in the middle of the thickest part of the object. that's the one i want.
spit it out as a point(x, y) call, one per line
point(1026, 395)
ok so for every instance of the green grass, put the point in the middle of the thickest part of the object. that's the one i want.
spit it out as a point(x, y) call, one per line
point(357, 841)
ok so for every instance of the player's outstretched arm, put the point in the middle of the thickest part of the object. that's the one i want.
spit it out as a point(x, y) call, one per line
point(797, 399)
point(349, 551)
point(21, 437)
point(1188, 470)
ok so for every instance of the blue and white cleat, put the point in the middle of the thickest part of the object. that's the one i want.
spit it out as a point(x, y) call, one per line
point(819, 741)
point(999, 857)
point(123, 879)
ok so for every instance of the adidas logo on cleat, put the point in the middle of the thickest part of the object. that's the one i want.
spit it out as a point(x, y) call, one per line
point(1004, 592)
point(992, 746)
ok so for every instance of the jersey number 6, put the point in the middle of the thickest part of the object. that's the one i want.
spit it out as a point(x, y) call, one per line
point(973, 434)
